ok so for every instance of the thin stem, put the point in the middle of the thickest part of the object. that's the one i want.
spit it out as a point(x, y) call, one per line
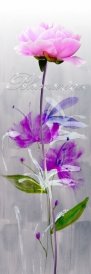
point(41, 129)
point(43, 248)
point(55, 243)
point(41, 112)
point(28, 167)
point(49, 206)
point(54, 230)
point(51, 211)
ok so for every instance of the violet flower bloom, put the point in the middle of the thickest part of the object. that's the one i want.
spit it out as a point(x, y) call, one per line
point(65, 160)
point(27, 131)
point(57, 115)
point(52, 43)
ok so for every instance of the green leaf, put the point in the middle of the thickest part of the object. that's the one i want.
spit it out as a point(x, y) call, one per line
point(42, 64)
point(25, 183)
point(70, 216)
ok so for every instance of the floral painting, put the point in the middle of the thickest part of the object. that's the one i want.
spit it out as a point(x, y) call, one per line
point(50, 137)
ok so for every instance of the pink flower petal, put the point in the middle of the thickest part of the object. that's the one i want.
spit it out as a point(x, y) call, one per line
point(41, 46)
point(45, 26)
point(75, 60)
point(24, 49)
point(37, 48)
point(31, 34)
point(66, 47)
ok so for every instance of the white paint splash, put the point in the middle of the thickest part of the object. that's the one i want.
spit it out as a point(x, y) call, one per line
point(18, 218)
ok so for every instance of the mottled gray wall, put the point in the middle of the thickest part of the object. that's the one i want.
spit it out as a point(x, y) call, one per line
point(19, 252)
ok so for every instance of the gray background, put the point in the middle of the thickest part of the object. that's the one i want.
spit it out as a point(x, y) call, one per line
point(19, 212)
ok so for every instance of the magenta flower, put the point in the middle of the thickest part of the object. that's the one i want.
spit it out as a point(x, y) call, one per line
point(65, 160)
point(27, 131)
point(52, 43)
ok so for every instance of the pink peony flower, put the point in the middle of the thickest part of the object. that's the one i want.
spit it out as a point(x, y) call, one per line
point(52, 43)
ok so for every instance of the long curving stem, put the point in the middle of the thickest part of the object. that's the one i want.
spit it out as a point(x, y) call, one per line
point(41, 108)
point(44, 157)
point(55, 244)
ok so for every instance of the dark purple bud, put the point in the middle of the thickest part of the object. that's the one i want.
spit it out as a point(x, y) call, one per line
point(56, 203)
point(37, 235)
point(13, 106)
point(68, 138)
point(22, 159)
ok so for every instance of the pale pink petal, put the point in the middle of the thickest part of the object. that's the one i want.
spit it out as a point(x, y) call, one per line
point(31, 34)
point(46, 26)
point(39, 30)
point(40, 47)
point(76, 36)
point(24, 49)
point(23, 37)
point(66, 47)
point(48, 34)
point(75, 60)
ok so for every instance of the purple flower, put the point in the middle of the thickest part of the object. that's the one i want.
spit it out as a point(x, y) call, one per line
point(57, 115)
point(37, 235)
point(64, 159)
point(27, 131)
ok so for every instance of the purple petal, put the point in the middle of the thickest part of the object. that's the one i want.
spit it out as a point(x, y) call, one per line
point(47, 107)
point(54, 131)
point(64, 159)
point(24, 137)
point(51, 158)
point(69, 181)
point(68, 102)
point(67, 121)
point(26, 124)
point(37, 133)
point(68, 154)
point(64, 174)
point(23, 143)
point(49, 133)
point(46, 134)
